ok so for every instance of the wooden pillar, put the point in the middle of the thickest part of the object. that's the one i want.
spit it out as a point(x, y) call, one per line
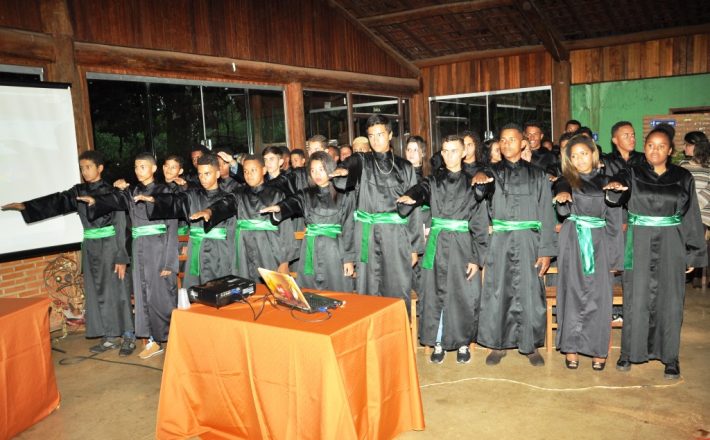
point(295, 119)
point(561, 78)
point(419, 124)
point(57, 23)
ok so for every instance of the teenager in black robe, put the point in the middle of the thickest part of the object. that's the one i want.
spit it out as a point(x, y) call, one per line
point(155, 254)
point(103, 256)
point(590, 247)
point(210, 248)
point(513, 307)
point(327, 252)
point(474, 159)
point(450, 288)
point(387, 243)
point(665, 239)
point(259, 242)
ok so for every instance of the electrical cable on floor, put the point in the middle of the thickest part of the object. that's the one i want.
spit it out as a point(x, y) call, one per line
point(73, 360)
point(599, 387)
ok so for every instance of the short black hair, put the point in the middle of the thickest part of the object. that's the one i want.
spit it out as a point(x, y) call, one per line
point(146, 156)
point(378, 119)
point(694, 137)
point(95, 156)
point(276, 151)
point(584, 130)
point(532, 124)
point(175, 158)
point(565, 137)
point(454, 138)
point(209, 159)
point(618, 125)
point(201, 148)
point(573, 122)
point(510, 126)
point(298, 152)
point(253, 157)
point(285, 150)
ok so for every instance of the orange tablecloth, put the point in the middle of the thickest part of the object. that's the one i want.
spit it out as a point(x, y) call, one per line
point(352, 376)
point(28, 388)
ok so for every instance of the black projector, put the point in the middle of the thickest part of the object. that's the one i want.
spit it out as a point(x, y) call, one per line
point(222, 291)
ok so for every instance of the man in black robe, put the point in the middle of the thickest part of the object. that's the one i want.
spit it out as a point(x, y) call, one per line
point(541, 157)
point(513, 307)
point(103, 256)
point(388, 244)
point(623, 149)
point(155, 254)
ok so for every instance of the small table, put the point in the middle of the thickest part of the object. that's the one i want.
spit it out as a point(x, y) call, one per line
point(351, 376)
point(28, 387)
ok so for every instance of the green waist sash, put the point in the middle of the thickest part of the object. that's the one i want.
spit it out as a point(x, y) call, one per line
point(197, 234)
point(98, 233)
point(437, 225)
point(515, 225)
point(250, 225)
point(316, 230)
point(584, 225)
point(643, 220)
point(372, 218)
point(425, 208)
point(144, 231)
point(183, 230)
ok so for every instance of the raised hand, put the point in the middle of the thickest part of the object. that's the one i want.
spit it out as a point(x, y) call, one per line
point(205, 215)
point(481, 179)
point(13, 207)
point(563, 197)
point(615, 186)
point(87, 199)
point(121, 184)
point(405, 200)
point(339, 172)
point(144, 198)
point(268, 209)
point(226, 157)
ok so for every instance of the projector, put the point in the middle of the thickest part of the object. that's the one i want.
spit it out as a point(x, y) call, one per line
point(222, 291)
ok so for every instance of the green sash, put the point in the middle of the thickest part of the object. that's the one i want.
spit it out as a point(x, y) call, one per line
point(437, 225)
point(143, 231)
point(98, 233)
point(644, 220)
point(425, 208)
point(250, 225)
point(197, 234)
point(315, 230)
point(584, 225)
point(372, 218)
point(515, 225)
point(183, 230)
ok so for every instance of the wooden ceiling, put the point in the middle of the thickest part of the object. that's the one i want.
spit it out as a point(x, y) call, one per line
point(420, 32)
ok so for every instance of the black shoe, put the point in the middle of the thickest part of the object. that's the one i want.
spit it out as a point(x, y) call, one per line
point(495, 356)
point(463, 356)
point(598, 366)
point(128, 346)
point(572, 365)
point(536, 359)
point(106, 344)
point(623, 364)
point(437, 356)
point(672, 370)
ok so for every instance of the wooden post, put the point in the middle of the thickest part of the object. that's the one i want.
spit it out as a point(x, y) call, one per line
point(295, 118)
point(561, 77)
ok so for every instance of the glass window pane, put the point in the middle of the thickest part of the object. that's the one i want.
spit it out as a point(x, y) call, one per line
point(326, 113)
point(268, 119)
point(226, 118)
point(456, 115)
point(14, 77)
point(175, 118)
point(521, 107)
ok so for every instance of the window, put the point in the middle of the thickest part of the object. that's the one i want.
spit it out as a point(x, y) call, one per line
point(14, 74)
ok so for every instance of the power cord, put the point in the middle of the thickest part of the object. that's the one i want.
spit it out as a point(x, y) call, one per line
point(73, 360)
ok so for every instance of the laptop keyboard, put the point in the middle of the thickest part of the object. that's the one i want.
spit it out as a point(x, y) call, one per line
point(317, 301)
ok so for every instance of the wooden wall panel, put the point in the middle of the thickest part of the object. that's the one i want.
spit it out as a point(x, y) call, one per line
point(682, 55)
point(21, 14)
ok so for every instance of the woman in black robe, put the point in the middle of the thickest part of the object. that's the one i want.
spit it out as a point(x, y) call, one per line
point(665, 240)
point(590, 246)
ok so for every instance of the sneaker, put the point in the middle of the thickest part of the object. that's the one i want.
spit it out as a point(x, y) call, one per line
point(151, 349)
point(437, 356)
point(106, 344)
point(463, 356)
point(127, 347)
point(672, 370)
point(617, 319)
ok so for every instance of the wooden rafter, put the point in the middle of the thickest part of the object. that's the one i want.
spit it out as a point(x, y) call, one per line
point(428, 11)
point(543, 30)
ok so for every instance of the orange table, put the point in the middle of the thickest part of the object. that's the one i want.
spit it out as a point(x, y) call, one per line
point(352, 376)
point(28, 388)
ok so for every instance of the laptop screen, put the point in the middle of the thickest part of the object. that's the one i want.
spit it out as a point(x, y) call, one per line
point(285, 289)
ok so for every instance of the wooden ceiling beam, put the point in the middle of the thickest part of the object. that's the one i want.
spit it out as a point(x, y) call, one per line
point(477, 55)
point(407, 64)
point(543, 30)
point(26, 45)
point(638, 37)
point(428, 11)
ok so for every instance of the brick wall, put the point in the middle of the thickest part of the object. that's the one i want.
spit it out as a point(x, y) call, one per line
point(24, 278)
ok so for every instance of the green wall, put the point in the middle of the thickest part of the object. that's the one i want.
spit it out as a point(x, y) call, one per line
point(600, 105)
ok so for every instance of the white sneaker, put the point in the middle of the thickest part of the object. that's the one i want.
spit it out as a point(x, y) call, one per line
point(150, 350)
point(463, 356)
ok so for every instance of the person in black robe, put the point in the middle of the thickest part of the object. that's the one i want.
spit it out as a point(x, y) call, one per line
point(191, 175)
point(540, 157)
point(665, 239)
point(231, 172)
point(415, 152)
point(103, 256)
point(155, 254)
point(387, 243)
point(473, 160)
point(259, 242)
point(327, 252)
point(450, 289)
point(623, 149)
point(590, 247)
point(513, 307)
point(283, 181)
point(210, 248)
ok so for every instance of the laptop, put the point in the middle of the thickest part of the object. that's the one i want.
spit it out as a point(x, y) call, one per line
point(287, 293)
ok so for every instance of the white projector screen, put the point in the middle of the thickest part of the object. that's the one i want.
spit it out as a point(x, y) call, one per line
point(38, 156)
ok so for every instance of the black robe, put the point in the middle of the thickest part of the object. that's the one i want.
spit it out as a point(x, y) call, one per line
point(317, 206)
point(267, 249)
point(380, 179)
point(654, 289)
point(513, 305)
point(217, 257)
point(445, 293)
point(613, 162)
point(155, 296)
point(584, 302)
point(544, 159)
point(107, 298)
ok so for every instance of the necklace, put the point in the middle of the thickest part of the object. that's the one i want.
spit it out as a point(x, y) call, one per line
point(380, 169)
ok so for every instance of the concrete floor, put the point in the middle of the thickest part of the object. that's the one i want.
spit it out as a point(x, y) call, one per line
point(102, 400)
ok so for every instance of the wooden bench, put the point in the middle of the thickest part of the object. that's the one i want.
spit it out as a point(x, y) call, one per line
point(551, 297)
